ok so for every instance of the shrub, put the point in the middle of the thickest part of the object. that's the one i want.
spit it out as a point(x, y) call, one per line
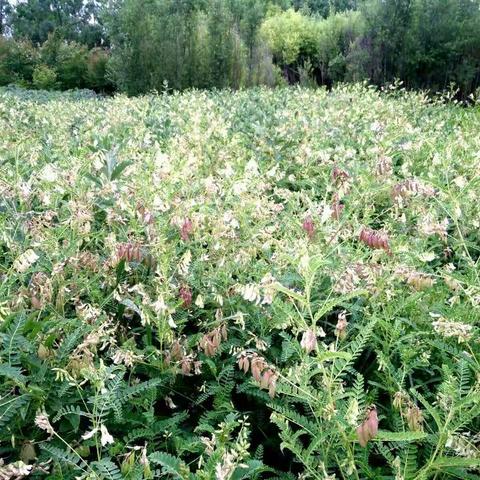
point(17, 61)
point(291, 37)
point(97, 71)
point(68, 59)
point(44, 78)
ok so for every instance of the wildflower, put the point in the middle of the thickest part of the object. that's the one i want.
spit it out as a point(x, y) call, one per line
point(105, 438)
point(428, 227)
point(15, 471)
point(224, 470)
point(384, 167)
point(337, 207)
point(347, 282)
point(369, 428)
point(447, 328)
point(411, 187)
point(25, 261)
point(184, 263)
point(250, 293)
point(463, 445)
point(169, 402)
point(43, 423)
point(398, 400)
point(268, 284)
point(89, 434)
point(352, 413)
point(341, 327)
point(127, 357)
point(199, 301)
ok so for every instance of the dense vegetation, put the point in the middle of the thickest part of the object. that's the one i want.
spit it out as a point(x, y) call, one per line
point(136, 46)
point(261, 284)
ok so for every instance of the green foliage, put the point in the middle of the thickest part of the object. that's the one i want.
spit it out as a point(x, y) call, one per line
point(241, 285)
point(74, 20)
point(139, 46)
point(291, 37)
point(17, 62)
point(44, 78)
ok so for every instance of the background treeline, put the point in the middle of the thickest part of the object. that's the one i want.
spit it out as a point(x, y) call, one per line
point(137, 46)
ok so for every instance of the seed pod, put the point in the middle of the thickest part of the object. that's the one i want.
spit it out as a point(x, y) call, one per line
point(272, 386)
point(337, 207)
point(43, 353)
point(28, 453)
point(309, 227)
point(420, 281)
point(176, 351)
point(265, 380)
point(369, 428)
point(186, 295)
point(224, 332)
point(309, 341)
point(186, 229)
point(339, 175)
point(409, 188)
point(243, 363)
point(130, 252)
point(257, 366)
point(375, 239)
point(384, 167)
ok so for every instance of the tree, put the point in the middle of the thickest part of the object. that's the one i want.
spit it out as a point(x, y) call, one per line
point(75, 20)
point(5, 12)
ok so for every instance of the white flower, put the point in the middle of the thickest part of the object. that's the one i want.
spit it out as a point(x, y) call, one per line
point(89, 434)
point(49, 173)
point(199, 302)
point(170, 403)
point(106, 437)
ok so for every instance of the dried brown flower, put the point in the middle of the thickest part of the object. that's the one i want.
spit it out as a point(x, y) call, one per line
point(414, 418)
point(341, 327)
point(309, 341)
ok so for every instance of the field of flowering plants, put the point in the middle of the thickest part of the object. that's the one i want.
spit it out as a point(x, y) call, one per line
point(264, 284)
